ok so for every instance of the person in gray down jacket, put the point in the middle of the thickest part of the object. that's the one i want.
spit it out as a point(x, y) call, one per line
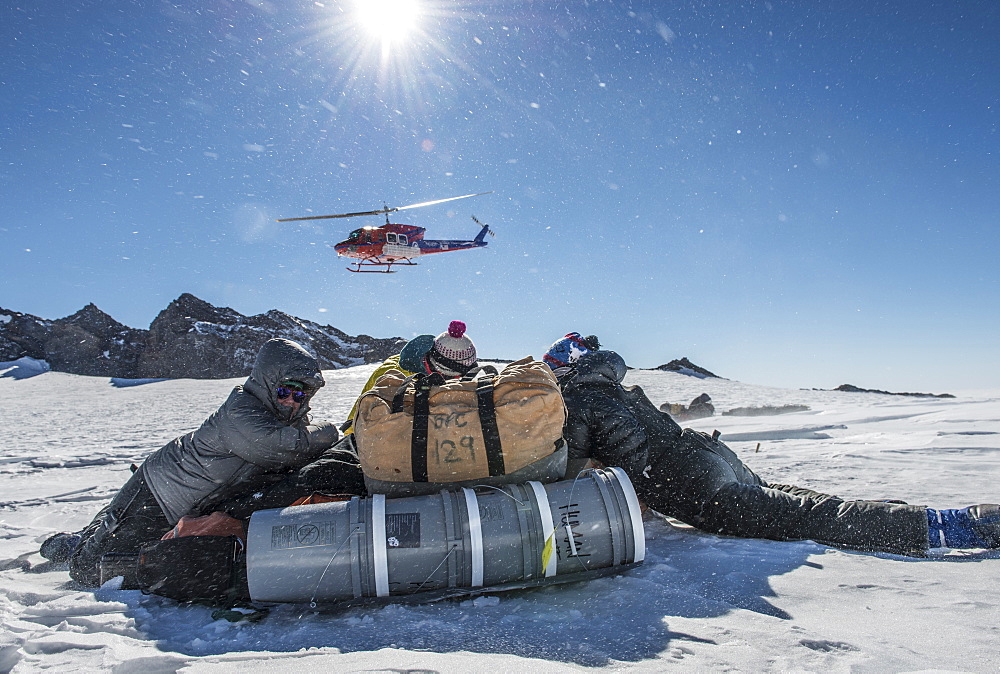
point(259, 434)
point(697, 479)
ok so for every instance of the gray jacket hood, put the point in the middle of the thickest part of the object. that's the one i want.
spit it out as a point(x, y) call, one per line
point(282, 360)
point(248, 437)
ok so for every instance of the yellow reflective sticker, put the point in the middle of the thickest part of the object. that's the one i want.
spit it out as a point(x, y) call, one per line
point(548, 549)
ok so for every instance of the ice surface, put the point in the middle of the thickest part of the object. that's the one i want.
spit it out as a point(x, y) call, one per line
point(701, 601)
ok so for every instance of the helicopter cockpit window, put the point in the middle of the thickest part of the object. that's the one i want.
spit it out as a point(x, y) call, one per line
point(355, 235)
point(402, 239)
point(390, 237)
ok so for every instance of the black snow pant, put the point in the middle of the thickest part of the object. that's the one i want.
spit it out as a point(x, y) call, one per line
point(132, 518)
point(336, 471)
point(702, 482)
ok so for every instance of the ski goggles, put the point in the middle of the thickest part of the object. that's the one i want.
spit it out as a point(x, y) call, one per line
point(291, 388)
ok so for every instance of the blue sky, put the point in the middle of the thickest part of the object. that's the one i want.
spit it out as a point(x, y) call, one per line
point(798, 194)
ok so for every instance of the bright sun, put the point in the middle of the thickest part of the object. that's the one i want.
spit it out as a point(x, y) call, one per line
point(388, 20)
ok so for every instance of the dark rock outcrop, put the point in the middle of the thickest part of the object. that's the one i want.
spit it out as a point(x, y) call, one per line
point(699, 408)
point(89, 342)
point(764, 410)
point(189, 339)
point(685, 366)
point(850, 388)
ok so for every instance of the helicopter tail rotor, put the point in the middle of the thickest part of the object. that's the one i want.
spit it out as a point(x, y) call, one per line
point(481, 237)
point(486, 228)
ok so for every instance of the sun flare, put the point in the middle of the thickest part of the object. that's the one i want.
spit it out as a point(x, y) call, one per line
point(388, 20)
point(394, 48)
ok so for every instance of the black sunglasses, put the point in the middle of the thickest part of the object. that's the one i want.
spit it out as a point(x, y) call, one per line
point(284, 391)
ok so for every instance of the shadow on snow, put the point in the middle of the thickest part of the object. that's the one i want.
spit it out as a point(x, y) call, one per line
point(617, 618)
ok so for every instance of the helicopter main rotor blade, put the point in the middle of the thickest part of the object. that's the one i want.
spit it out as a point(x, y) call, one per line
point(339, 215)
point(382, 210)
point(440, 201)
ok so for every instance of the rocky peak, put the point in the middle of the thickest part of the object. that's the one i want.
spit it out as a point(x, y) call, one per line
point(685, 366)
point(92, 319)
point(193, 308)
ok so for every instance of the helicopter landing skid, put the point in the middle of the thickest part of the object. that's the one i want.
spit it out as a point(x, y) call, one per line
point(388, 267)
point(370, 271)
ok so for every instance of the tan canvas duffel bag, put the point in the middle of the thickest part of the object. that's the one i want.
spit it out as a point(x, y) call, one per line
point(487, 428)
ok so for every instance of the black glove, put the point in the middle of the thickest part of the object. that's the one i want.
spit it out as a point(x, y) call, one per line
point(322, 434)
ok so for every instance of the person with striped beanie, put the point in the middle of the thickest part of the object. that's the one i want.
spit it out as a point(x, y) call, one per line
point(452, 353)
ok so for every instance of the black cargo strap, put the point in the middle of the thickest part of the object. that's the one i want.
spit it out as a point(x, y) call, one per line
point(421, 420)
point(488, 421)
point(399, 398)
point(418, 439)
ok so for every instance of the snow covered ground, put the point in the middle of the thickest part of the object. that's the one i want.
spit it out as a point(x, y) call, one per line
point(700, 601)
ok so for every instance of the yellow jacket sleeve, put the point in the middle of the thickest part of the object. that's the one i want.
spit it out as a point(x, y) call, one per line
point(390, 363)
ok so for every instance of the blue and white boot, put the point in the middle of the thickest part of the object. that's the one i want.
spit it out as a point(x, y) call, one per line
point(977, 526)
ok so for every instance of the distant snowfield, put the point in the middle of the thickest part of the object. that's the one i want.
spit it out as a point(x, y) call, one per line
point(699, 601)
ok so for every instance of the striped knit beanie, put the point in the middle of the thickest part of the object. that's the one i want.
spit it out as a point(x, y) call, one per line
point(453, 353)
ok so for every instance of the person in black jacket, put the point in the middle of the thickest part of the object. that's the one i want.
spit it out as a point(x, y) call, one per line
point(697, 479)
point(260, 433)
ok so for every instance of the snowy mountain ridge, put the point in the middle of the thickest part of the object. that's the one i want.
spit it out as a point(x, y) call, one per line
point(190, 338)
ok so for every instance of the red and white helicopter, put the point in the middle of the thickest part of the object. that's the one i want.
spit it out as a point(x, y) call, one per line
point(377, 249)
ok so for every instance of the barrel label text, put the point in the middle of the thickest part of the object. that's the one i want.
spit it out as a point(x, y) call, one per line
point(307, 535)
point(402, 530)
